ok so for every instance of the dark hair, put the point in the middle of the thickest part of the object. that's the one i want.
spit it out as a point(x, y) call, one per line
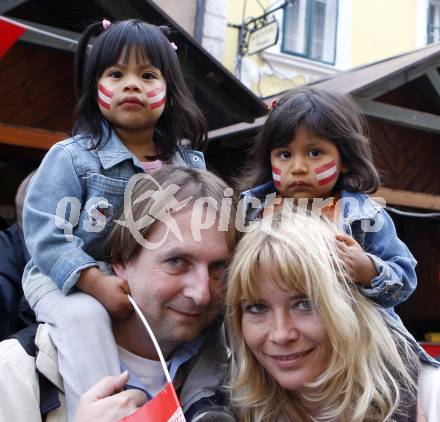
point(181, 117)
point(328, 114)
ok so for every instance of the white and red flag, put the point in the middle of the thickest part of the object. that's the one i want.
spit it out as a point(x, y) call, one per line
point(156, 97)
point(276, 174)
point(326, 173)
point(165, 406)
point(10, 32)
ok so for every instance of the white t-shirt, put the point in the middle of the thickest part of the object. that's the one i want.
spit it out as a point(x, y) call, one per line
point(149, 372)
point(429, 392)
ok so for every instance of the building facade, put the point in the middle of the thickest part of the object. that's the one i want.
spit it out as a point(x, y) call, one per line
point(319, 38)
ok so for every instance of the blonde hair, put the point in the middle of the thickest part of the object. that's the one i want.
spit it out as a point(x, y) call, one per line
point(366, 378)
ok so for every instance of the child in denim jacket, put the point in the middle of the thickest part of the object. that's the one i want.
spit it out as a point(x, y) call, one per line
point(313, 151)
point(133, 110)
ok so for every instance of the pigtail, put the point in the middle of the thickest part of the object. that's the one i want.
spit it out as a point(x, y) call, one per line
point(81, 54)
point(166, 30)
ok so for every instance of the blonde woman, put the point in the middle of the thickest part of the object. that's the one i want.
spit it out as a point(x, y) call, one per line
point(306, 344)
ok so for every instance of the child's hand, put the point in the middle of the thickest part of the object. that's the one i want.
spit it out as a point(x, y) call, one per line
point(113, 295)
point(110, 290)
point(359, 264)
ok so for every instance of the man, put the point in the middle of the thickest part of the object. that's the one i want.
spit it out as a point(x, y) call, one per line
point(15, 312)
point(173, 263)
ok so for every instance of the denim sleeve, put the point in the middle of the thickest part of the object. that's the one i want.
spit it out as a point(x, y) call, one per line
point(57, 255)
point(394, 263)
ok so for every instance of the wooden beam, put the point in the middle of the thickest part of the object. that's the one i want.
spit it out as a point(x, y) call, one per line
point(398, 79)
point(9, 4)
point(400, 116)
point(29, 137)
point(409, 199)
point(434, 78)
point(236, 129)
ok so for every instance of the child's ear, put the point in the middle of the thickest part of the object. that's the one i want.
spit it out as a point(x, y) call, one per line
point(119, 270)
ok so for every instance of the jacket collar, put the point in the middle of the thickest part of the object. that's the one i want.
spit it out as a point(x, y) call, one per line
point(47, 358)
point(260, 191)
point(358, 206)
point(112, 151)
point(180, 355)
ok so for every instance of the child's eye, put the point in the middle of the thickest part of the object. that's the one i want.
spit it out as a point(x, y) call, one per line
point(284, 155)
point(115, 74)
point(313, 153)
point(149, 75)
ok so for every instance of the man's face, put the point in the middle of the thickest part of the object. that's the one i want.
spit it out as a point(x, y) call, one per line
point(179, 286)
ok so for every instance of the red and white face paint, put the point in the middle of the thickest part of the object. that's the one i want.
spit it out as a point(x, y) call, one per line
point(104, 97)
point(326, 173)
point(276, 174)
point(156, 97)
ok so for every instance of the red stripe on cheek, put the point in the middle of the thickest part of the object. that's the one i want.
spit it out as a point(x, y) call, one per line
point(105, 91)
point(156, 91)
point(276, 183)
point(276, 170)
point(103, 104)
point(328, 179)
point(158, 104)
point(325, 167)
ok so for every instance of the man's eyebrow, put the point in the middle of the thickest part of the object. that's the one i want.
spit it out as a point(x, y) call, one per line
point(177, 251)
point(222, 261)
point(182, 253)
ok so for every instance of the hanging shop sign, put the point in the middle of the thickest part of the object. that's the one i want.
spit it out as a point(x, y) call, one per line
point(262, 37)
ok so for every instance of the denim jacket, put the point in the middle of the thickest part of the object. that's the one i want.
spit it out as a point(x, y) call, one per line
point(72, 201)
point(371, 226)
point(374, 230)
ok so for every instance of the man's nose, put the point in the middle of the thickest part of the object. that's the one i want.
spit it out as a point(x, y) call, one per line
point(283, 329)
point(198, 286)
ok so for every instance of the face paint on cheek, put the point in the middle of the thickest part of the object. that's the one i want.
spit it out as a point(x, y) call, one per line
point(104, 97)
point(326, 173)
point(156, 97)
point(276, 174)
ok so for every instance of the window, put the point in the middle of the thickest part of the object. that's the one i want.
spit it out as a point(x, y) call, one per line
point(434, 21)
point(310, 29)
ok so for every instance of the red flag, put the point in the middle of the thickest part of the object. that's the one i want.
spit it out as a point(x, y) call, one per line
point(9, 33)
point(164, 407)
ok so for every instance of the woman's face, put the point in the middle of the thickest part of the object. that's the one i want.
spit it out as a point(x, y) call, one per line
point(286, 335)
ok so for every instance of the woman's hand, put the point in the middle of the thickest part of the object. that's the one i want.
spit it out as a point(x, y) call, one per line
point(110, 290)
point(360, 265)
point(105, 402)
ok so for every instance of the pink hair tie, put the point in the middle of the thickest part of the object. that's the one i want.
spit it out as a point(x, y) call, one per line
point(106, 24)
point(174, 46)
point(272, 105)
